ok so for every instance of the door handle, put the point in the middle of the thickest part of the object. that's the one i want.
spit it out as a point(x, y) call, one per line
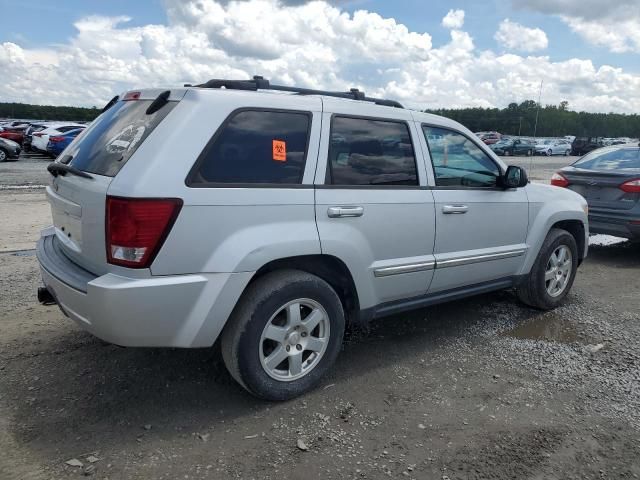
point(348, 211)
point(455, 209)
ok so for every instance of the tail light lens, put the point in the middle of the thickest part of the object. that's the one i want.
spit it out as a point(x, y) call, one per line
point(137, 227)
point(56, 139)
point(632, 186)
point(37, 134)
point(559, 180)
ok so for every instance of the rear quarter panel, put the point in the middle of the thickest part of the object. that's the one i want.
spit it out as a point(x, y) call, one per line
point(222, 229)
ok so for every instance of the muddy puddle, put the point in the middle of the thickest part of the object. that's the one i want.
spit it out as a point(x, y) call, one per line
point(547, 328)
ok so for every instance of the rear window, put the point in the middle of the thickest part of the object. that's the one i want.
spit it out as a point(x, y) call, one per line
point(608, 159)
point(107, 144)
point(255, 147)
point(371, 152)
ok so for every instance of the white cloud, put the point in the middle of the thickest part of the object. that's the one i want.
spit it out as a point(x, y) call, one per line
point(313, 44)
point(618, 36)
point(453, 19)
point(513, 36)
point(615, 26)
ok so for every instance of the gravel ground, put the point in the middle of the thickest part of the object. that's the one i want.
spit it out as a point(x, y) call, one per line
point(476, 389)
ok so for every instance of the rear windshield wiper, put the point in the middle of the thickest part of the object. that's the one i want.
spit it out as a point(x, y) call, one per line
point(56, 169)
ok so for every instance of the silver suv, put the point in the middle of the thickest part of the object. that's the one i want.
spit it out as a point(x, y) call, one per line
point(270, 217)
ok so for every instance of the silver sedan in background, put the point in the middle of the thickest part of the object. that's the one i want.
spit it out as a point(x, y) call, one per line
point(553, 147)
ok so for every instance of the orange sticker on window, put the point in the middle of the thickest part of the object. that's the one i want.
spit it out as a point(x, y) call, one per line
point(279, 151)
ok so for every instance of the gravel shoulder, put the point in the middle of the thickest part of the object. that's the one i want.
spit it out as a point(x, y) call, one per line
point(477, 389)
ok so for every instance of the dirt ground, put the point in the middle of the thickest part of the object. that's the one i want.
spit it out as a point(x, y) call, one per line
point(477, 389)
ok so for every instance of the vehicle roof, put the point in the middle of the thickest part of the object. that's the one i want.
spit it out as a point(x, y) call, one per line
point(248, 98)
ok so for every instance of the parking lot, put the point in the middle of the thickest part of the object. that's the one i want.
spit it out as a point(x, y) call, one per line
point(478, 388)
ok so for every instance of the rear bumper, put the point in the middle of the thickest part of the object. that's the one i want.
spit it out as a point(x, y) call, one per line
point(169, 311)
point(616, 224)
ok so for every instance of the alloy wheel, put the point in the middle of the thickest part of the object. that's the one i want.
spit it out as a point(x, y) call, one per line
point(294, 340)
point(558, 271)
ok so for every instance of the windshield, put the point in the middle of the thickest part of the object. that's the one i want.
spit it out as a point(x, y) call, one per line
point(106, 145)
point(607, 159)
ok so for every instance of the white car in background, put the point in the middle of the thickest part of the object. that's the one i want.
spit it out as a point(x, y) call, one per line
point(40, 139)
point(553, 147)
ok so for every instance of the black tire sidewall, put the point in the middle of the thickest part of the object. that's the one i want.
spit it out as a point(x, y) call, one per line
point(250, 369)
point(538, 288)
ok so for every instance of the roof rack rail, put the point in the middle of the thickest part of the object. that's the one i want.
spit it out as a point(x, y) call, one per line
point(260, 83)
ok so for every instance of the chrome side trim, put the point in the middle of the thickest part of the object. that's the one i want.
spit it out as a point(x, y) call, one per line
point(457, 262)
point(410, 268)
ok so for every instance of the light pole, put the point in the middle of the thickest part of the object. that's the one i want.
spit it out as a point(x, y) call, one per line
point(535, 128)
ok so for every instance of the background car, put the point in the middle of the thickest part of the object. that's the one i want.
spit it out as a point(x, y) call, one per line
point(40, 139)
point(28, 134)
point(553, 147)
point(490, 138)
point(9, 150)
point(609, 178)
point(57, 143)
point(584, 145)
point(13, 133)
point(514, 147)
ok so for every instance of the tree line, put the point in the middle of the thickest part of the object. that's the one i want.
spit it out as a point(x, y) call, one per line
point(515, 119)
point(47, 112)
point(553, 121)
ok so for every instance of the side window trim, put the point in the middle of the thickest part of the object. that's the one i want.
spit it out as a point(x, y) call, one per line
point(473, 141)
point(189, 180)
point(328, 179)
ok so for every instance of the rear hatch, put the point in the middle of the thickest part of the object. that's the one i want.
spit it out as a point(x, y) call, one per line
point(598, 177)
point(78, 201)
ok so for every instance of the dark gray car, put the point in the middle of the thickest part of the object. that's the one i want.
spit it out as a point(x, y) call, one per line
point(609, 178)
point(9, 150)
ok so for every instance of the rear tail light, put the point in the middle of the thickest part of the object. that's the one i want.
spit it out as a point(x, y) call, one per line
point(56, 139)
point(632, 186)
point(37, 134)
point(559, 180)
point(137, 227)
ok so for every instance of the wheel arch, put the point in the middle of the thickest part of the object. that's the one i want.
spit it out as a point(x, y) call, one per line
point(329, 268)
point(577, 230)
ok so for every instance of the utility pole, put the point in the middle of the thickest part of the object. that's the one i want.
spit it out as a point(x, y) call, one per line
point(520, 127)
point(535, 128)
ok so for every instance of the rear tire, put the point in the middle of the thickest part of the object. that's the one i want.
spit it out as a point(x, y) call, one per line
point(264, 328)
point(549, 269)
point(567, 153)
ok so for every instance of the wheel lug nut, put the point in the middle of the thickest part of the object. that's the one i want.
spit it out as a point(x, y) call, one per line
point(299, 347)
point(288, 348)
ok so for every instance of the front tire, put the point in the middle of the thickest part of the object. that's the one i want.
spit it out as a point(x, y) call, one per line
point(284, 334)
point(3, 155)
point(553, 272)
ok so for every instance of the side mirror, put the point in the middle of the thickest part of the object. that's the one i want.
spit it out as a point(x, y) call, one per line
point(515, 177)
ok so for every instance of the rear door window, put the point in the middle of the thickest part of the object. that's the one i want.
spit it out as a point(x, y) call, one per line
point(109, 142)
point(261, 147)
point(371, 152)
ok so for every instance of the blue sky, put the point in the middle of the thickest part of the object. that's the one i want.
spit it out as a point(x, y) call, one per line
point(587, 51)
point(51, 24)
